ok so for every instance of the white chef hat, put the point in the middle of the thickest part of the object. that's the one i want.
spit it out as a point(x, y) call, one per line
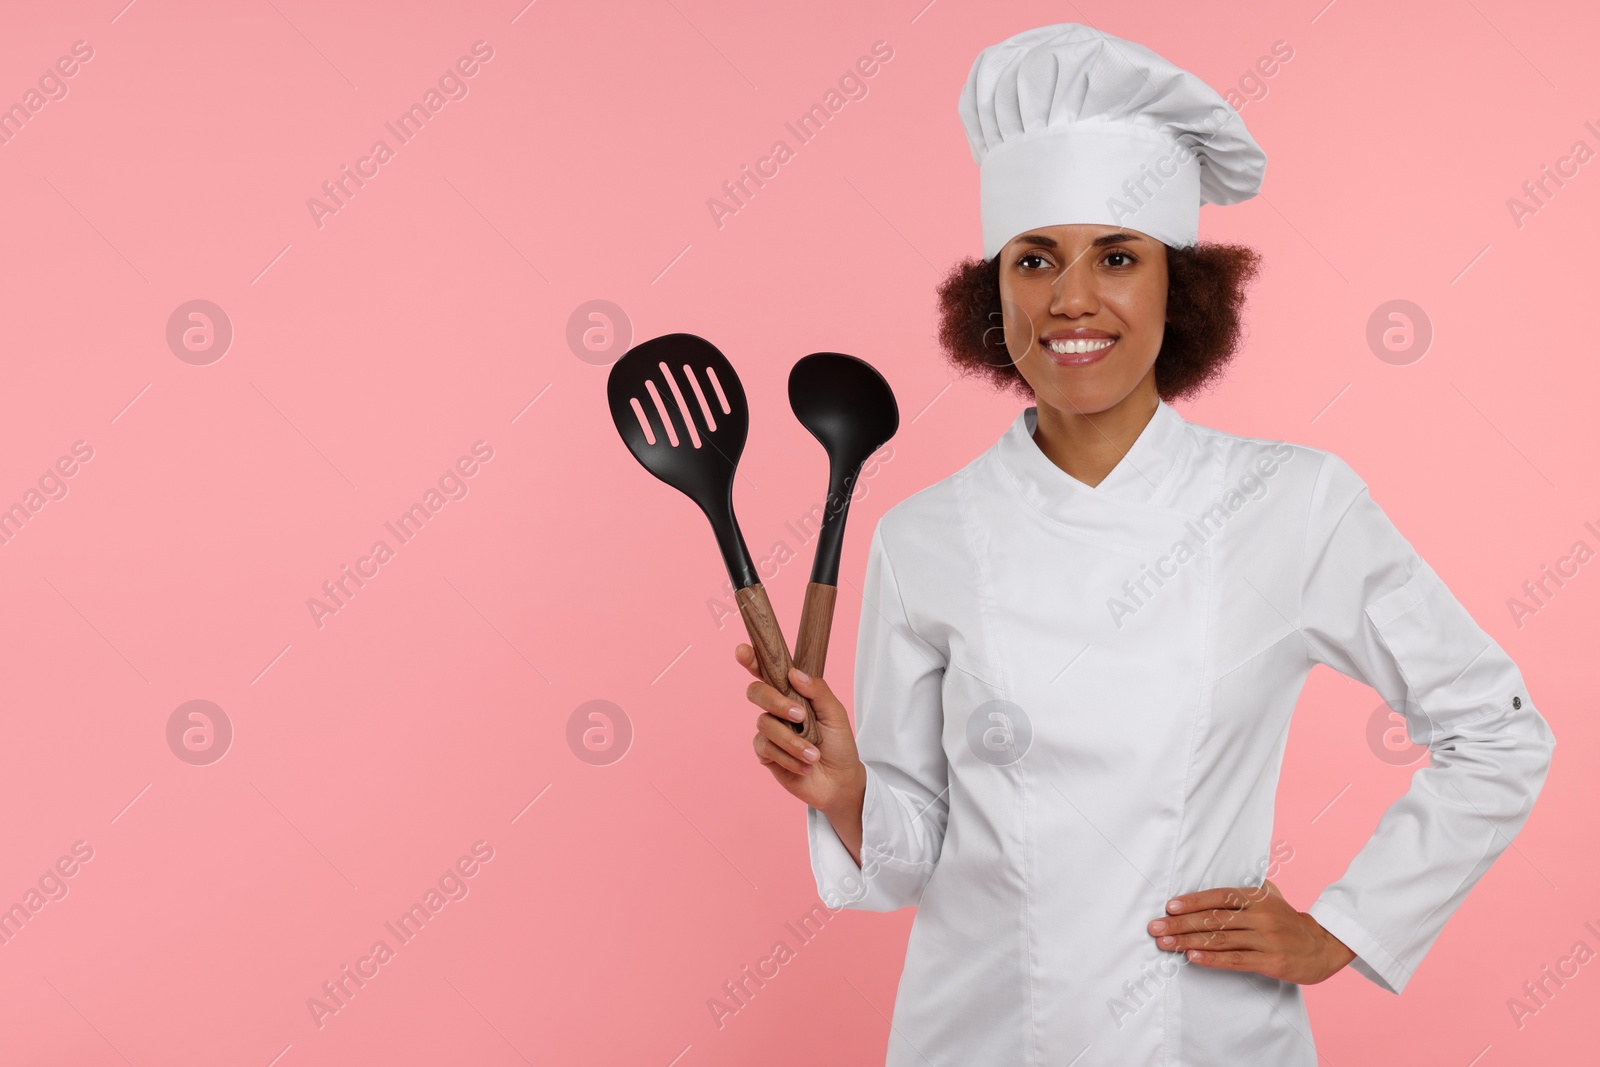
point(1069, 125)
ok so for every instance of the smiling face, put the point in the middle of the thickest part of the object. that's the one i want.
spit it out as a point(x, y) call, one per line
point(1085, 309)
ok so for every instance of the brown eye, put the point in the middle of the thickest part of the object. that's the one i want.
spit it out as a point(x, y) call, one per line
point(1022, 262)
point(1125, 255)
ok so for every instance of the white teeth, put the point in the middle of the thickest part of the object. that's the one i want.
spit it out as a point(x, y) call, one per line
point(1071, 347)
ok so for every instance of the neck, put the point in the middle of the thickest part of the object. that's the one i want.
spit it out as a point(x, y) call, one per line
point(1087, 445)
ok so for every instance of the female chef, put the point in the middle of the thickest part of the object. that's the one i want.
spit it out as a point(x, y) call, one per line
point(1078, 654)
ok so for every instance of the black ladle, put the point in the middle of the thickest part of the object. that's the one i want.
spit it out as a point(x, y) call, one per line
point(849, 407)
point(708, 403)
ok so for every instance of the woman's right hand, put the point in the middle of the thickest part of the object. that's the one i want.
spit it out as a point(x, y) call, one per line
point(834, 782)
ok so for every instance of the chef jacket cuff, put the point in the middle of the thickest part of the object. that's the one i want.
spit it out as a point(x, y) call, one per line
point(1372, 960)
point(840, 881)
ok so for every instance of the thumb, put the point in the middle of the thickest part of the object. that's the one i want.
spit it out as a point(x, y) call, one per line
point(830, 712)
point(746, 655)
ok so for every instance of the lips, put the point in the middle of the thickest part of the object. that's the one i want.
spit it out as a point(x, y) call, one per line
point(1093, 349)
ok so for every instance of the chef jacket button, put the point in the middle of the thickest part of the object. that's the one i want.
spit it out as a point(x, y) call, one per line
point(1516, 702)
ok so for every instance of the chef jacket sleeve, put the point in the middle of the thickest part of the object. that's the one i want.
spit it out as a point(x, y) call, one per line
point(1374, 610)
point(899, 724)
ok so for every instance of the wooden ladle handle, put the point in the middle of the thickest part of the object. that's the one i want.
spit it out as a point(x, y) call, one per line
point(772, 654)
point(816, 620)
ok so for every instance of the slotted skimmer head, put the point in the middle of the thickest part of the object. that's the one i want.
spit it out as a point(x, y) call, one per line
point(681, 410)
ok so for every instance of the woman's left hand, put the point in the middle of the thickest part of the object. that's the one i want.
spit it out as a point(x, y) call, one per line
point(1250, 929)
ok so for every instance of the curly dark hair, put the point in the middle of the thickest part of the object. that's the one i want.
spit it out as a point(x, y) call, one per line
point(1205, 295)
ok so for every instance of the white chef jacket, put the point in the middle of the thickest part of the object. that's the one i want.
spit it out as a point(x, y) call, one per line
point(1143, 642)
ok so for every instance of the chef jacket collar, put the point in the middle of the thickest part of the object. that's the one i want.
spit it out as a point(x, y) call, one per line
point(1142, 476)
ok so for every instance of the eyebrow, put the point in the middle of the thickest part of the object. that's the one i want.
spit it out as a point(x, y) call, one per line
point(1119, 237)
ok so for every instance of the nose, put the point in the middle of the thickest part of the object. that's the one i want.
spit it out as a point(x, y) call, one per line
point(1075, 292)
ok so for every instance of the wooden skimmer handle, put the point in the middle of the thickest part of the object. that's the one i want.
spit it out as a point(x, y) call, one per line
point(772, 654)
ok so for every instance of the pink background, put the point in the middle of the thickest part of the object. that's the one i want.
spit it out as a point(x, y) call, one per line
point(432, 310)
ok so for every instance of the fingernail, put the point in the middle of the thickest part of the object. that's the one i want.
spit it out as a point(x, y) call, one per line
point(1174, 904)
point(1158, 927)
point(796, 714)
point(1169, 941)
point(802, 675)
point(809, 753)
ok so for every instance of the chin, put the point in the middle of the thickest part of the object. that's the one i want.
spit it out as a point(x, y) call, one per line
point(1075, 405)
point(1084, 390)
point(1081, 398)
